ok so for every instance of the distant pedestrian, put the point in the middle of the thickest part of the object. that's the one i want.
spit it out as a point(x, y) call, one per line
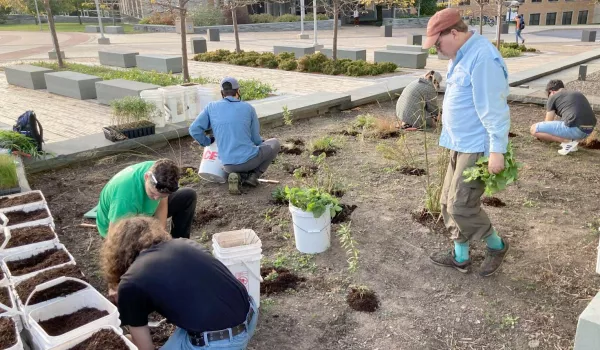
point(356, 17)
point(520, 22)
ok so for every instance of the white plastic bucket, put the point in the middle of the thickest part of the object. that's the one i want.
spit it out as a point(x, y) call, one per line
point(247, 271)
point(88, 297)
point(211, 168)
point(25, 304)
point(191, 103)
point(19, 344)
point(71, 343)
point(156, 97)
point(4, 252)
point(17, 207)
point(313, 235)
point(29, 253)
point(232, 244)
point(204, 96)
point(174, 99)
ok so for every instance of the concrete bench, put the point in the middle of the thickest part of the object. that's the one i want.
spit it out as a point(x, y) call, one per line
point(114, 30)
point(52, 54)
point(31, 77)
point(588, 36)
point(587, 336)
point(72, 84)
point(416, 60)
point(386, 31)
point(414, 39)
point(198, 45)
point(213, 34)
point(109, 90)
point(160, 63)
point(408, 48)
point(92, 29)
point(353, 54)
point(297, 50)
point(124, 59)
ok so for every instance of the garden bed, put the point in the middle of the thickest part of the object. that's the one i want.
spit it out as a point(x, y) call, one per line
point(66, 323)
point(536, 297)
point(48, 258)
point(29, 235)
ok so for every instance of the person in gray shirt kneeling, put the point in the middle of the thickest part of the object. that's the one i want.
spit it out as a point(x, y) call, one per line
point(575, 119)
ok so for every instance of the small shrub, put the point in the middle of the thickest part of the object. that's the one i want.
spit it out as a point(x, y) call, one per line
point(288, 65)
point(213, 56)
point(508, 52)
point(8, 172)
point(159, 18)
point(324, 144)
point(336, 67)
point(131, 109)
point(285, 56)
point(310, 18)
point(287, 18)
point(262, 18)
point(244, 59)
point(359, 68)
point(254, 90)
point(432, 51)
point(312, 63)
point(207, 16)
point(267, 60)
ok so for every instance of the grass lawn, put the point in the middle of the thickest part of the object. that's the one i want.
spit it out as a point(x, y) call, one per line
point(60, 27)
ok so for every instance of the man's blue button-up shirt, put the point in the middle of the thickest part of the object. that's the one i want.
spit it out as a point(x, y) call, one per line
point(475, 116)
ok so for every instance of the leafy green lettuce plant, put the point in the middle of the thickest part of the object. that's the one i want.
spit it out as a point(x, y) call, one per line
point(494, 183)
point(312, 200)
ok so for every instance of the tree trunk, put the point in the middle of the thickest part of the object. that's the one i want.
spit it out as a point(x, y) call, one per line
point(184, 53)
point(53, 33)
point(235, 30)
point(335, 29)
point(78, 9)
point(481, 18)
point(498, 24)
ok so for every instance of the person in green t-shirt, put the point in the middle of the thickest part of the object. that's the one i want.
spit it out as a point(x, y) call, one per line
point(148, 189)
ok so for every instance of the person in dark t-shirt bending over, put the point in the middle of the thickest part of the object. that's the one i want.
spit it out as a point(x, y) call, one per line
point(181, 281)
point(576, 119)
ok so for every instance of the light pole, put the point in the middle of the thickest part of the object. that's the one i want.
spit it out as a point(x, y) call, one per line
point(302, 9)
point(315, 43)
point(102, 40)
point(38, 15)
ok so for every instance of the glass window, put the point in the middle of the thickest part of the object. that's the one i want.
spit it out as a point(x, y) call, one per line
point(582, 18)
point(534, 19)
point(567, 17)
point(551, 18)
point(536, 1)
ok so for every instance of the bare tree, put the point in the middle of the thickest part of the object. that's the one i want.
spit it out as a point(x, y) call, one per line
point(481, 4)
point(336, 8)
point(232, 6)
point(181, 7)
point(53, 33)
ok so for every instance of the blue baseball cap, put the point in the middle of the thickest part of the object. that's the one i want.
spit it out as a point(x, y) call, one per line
point(229, 83)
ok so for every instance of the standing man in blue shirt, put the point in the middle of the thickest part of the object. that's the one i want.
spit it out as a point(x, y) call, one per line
point(475, 122)
point(237, 131)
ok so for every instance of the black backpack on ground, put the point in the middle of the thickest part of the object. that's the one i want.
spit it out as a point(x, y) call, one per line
point(29, 125)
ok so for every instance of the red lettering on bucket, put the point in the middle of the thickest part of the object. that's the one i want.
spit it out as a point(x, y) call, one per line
point(210, 155)
point(243, 278)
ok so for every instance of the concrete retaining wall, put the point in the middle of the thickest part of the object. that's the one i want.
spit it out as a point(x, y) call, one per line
point(254, 27)
point(29, 19)
point(420, 22)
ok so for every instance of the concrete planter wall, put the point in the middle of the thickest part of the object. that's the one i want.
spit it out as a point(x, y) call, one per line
point(254, 27)
point(28, 19)
point(420, 22)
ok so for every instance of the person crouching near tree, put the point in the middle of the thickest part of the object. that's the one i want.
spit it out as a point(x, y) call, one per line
point(181, 281)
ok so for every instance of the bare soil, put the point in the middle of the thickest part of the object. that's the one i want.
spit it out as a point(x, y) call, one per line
point(536, 297)
point(277, 280)
point(102, 340)
point(6, 202)
point(60, 290)
point(8, 336)
point(590, 87)
point(344, 215)
point(25, 288)
point(50, 257)
point(29, 235)
point(19, 217)
point(66, 323)
point(492, 202)
point(5, 298)
point(412, 171)
point(360, 300)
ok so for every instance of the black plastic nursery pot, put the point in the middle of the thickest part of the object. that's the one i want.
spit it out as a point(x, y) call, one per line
point(116, 133)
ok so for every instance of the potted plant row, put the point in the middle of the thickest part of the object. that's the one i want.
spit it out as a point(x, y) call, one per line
point(131, 118)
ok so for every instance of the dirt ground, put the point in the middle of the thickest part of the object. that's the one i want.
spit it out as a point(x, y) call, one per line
point(590, 86)
point(551, 220)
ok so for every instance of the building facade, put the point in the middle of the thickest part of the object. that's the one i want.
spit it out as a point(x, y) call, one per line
point(544, 12)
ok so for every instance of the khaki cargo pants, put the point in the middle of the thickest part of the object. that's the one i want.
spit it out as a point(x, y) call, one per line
point(461, 201)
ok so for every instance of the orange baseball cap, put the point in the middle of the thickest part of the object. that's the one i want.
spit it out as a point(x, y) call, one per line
point(439, 22)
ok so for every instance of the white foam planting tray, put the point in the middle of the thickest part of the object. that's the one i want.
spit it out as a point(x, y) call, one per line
point(20, 206)
point(4, 252)
point(29, 253)
point(71, 343)
point(27, 208)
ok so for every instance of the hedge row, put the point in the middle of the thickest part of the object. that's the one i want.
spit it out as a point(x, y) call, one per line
point(315, 63)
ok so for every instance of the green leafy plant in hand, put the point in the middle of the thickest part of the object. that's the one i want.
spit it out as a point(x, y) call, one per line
point(494, 183)
point(312, 200)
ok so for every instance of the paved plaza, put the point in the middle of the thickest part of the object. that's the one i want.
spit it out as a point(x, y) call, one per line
point(65, 118)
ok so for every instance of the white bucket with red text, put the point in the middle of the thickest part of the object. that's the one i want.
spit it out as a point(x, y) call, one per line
point(241, 252)
point(211, 168)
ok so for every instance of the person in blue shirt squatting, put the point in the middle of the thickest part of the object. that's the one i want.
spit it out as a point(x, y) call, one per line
point(475, 122)
point(237, 131)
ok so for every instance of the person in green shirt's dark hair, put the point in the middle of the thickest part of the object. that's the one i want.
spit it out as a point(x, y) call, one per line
point(150, 189)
